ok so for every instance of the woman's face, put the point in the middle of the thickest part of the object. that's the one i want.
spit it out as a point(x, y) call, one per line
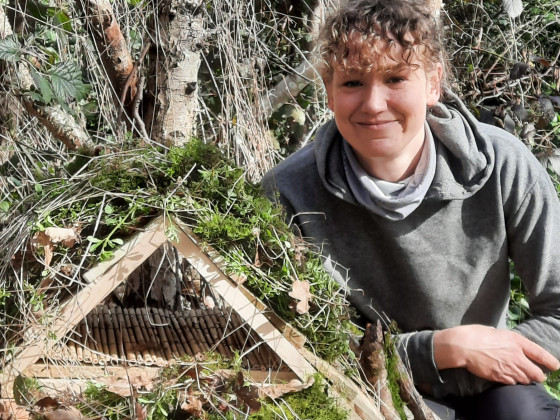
point(381, 112)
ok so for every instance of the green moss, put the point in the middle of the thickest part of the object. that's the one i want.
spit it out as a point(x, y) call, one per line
point(311, 403)
point(393, 374)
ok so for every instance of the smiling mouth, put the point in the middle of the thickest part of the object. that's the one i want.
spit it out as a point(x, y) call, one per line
point(375, 124)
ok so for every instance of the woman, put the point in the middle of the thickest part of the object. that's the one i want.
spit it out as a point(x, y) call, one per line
point(417, 208)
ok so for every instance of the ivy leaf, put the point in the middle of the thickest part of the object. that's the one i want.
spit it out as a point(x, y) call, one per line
point(44, 86)
point(10, 50)
point(67, 82)
point(61, 19)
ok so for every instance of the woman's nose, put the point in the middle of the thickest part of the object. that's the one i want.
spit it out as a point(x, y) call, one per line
point(375, 98)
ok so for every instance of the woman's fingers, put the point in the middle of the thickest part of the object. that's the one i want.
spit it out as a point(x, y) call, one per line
point(539, 355)
point(497, 355)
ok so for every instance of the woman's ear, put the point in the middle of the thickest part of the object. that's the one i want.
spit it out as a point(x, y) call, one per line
point(434, 84)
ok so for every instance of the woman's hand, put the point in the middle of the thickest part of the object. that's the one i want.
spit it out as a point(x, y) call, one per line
point(497, 355)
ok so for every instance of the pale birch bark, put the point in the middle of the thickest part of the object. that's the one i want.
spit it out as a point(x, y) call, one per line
point(181, 35)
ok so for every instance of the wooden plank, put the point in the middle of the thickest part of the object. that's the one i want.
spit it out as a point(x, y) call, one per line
point(39, 338)
point(93, 373)
point(188, 245)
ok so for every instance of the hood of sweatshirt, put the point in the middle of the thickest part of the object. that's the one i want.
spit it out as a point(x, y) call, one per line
point(464, 156)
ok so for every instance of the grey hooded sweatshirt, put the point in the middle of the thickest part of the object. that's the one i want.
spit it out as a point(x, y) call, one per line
point(446, 264)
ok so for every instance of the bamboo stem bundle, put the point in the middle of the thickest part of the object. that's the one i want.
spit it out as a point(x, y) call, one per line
point(193, 344)
point(143, 355)
point(148, 336)
point(88, 357)
point(152, 340)
point(172, 333)
point(124, 329)
point(118, 331)
point(165, 344)
point(111, 339)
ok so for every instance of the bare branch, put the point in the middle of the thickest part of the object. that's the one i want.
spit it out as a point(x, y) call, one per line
point(290, 87)
point(111, 44)
point(60, 124)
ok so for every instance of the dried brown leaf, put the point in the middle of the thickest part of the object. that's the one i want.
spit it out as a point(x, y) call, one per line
point(278, 390)
point(66, 236)
point(42, 239)
point(300, 291)
point(192, 406)
point(69, 413)
point(261, 258)
point(47, 403)
point(247, 394)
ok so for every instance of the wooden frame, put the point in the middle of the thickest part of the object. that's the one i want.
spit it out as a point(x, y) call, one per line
point(106, 276)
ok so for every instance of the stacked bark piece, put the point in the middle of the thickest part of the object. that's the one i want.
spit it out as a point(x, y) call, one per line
point(156, 337)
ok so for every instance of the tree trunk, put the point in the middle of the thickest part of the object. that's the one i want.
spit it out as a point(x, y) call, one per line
point(174, 64)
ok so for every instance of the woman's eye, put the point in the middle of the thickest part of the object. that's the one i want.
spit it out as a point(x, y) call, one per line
point(352, 83)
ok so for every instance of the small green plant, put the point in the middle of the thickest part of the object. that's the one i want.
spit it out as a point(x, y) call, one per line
point(97, 402)
point(311, 403)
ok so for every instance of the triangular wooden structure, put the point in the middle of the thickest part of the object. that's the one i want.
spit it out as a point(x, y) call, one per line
point(108, 275)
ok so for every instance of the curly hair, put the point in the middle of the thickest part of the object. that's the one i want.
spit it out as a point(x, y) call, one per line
point(355, 36)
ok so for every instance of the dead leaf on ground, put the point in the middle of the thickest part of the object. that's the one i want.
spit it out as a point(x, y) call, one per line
point(247, 394)
point(125, 387)
point(40, 238)
point(300, 291)
point(262, 258)
point(66, 236)
point(141, 412)
point(69, 413)
point(52, 236)
point(47, 403)
point(193, 406)
point(278, 390)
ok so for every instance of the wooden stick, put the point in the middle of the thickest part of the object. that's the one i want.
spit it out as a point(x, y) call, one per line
point(88, 357)
point(410, 395)
point(372, 360)
point(225, 339)
point(198, 336)
point(180, 334)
